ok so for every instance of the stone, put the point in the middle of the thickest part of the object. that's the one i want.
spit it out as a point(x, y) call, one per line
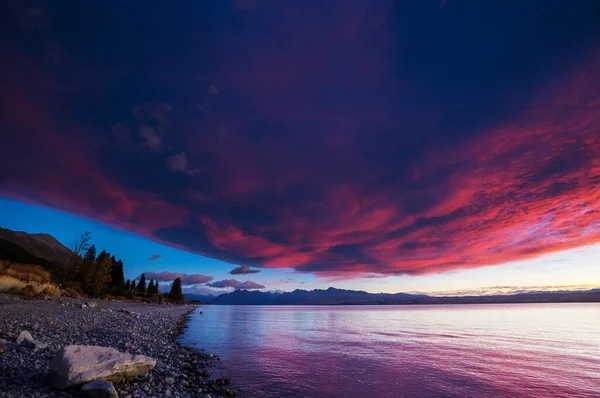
point(24, 335)
point(91, 304)
point(79, 364)
point(169, 380)
point(83, 305)
point(99, 389)
point(25, 339)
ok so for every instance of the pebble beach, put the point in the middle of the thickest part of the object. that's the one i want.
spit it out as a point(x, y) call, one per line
point(136, 328)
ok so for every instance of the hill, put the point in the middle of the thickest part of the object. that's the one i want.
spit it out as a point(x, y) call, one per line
point(42, 249)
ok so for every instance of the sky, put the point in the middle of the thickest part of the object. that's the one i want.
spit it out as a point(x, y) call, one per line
point(384, 146)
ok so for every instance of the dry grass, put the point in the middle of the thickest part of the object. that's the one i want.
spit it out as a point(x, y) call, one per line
point(28, 273)
point(9, 284)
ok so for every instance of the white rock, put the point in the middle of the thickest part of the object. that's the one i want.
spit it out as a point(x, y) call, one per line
point(91, 304)
point(26, 340)
point(79, 364)
point(99, 389)
point(24, 335)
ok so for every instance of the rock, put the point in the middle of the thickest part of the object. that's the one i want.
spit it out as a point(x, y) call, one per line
point(169, 380)
point(206, 396)
point(79, 364)
point(26, 340)
point(99, 389)
point(91, 304)
point(84, 305)
point(24, 335)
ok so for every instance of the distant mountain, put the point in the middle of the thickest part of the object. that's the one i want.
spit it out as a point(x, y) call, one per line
point(199, 297)
point(334, 296)
point(316, 297)
point(42, 249)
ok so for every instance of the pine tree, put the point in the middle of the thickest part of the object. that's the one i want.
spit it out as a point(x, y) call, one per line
point(176, 293)
point(156, 288)
point(90, 254)
point(99, 276)
point(116, 275)
point(151, 287)
point(133, 286)
point(101, 256)
point(141, 286)
point(128, 285)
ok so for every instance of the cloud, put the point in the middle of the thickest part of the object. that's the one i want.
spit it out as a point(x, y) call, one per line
point(121, 136)
point(179, 162)
point(249, 285)
point(186, 279)
point(387, 167)
point(154, 257)
point(151, 138)
point(203, 290)
point(243, 270)
point(212, 90)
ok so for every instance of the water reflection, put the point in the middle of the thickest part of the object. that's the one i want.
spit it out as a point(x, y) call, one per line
point(534, 350)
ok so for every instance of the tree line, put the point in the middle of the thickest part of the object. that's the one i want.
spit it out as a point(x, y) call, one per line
point(94, 274)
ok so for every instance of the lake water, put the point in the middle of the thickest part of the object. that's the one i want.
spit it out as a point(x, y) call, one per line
point(515, 350)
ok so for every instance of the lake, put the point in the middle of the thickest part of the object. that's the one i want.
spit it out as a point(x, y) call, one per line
point(503, 350)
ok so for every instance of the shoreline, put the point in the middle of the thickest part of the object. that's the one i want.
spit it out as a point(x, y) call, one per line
point(138, 328)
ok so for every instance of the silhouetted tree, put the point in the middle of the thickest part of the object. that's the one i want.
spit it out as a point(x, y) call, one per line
point(141, 286)
point(99, 276)
point(176, 293)
point(151, 287)
point(128, 285)
point(116, 275)
point(78, 248)
point(90, 254)
point(133, 286)
point(156, 288)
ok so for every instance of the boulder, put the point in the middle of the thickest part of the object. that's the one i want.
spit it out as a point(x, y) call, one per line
point(80, 364)
point(91, 304)
point(99, 389)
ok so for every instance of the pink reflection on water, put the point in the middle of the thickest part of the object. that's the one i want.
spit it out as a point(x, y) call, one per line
point(534, 350)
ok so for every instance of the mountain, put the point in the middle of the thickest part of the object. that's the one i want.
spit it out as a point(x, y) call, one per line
point(314, 297)
point(199, 297)
point(42, 249)
point(334, 296)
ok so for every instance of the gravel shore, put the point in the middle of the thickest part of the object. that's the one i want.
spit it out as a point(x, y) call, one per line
point(148, 329)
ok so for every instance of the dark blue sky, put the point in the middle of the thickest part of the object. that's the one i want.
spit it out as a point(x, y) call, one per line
point(334, 138)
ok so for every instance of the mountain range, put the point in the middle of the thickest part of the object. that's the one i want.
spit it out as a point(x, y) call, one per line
point(333, 296)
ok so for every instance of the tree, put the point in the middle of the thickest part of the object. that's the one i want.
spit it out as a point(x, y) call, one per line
point(141, 286)
point(176, 293)
point(99, 276)
point(103, 254)
point(128, 285)
point(90, 254)
point(116, 275)
point(151, 287)
point(78, 247)
point(133, 286)
point(156, 288)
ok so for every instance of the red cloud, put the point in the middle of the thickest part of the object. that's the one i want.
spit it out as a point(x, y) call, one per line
point(306, 162)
